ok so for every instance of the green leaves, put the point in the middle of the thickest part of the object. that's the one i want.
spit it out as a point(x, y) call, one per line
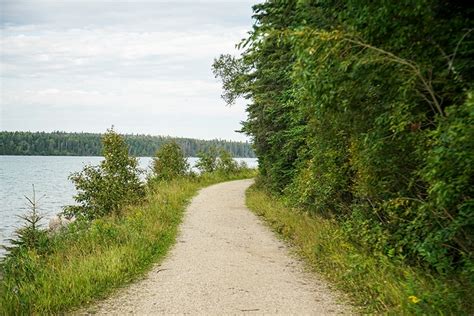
point(357, 111)
point(226, 164)
point(232, 72)
point(169, 162)
point(449, 171)
point(219, 161)
point(207, 161)
point(110, 186)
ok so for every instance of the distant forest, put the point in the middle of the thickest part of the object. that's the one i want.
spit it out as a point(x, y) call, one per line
point(88, 144)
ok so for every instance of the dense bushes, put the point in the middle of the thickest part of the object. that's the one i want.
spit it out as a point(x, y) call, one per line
point(361, 111)
point(382, 285)
point(449, 171)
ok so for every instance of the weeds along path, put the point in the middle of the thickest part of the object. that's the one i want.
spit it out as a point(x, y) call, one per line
point(225, 261)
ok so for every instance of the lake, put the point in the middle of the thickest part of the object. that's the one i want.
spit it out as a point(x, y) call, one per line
point(49, 175)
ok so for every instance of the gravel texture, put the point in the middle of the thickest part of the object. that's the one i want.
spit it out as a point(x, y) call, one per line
point(225, 262)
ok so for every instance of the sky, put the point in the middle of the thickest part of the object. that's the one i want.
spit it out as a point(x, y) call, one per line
point(143, 66)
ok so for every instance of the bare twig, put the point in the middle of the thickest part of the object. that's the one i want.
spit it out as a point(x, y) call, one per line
point(411, 65)
point(457, 47)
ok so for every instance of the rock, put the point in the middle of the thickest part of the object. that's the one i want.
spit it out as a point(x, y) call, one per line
point(59, 222)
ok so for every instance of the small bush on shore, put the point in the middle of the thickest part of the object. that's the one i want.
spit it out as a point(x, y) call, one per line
point(169, 162)
point(31, 236)
point(226, 163)
point(220, 161)
point(110, 186)
point(29, 243)
point(207, 161)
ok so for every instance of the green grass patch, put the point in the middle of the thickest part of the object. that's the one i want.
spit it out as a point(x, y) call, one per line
point(376, 283)
point(89, 260)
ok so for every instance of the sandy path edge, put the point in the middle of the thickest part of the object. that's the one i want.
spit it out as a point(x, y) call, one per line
point(225, 261)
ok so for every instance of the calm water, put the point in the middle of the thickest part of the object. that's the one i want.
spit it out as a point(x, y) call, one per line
point(49, 175)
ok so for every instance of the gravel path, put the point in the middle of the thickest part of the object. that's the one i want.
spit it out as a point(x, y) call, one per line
point(225, 262)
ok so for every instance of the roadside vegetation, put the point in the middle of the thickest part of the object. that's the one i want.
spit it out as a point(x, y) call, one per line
point(122, 227)
point(376, 284)
point(362, 113)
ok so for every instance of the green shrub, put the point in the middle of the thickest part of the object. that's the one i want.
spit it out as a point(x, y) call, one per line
point(169, 162)
point(207, 161)
point(31, 236)
point(108, 187)
point(220, 161)
point(377, 284)
point(226, 163)
point(449, 173)
point(21, 263)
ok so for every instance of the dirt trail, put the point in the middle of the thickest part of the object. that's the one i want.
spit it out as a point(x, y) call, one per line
point(225, 261)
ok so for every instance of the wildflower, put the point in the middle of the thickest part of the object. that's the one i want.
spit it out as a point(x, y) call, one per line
point(414, 299)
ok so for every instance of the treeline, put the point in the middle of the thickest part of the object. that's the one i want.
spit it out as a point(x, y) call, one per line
point(88, 144)
point(363, 111)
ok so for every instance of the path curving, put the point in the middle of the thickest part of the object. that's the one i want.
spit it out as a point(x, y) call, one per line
point(225, 262)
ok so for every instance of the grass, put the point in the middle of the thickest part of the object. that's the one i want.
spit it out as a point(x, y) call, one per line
point(375, 283)
point(89, 260)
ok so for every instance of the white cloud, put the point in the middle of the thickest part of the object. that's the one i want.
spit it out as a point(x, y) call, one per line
point(192, 97)
point(74, 49)
point(149, 59)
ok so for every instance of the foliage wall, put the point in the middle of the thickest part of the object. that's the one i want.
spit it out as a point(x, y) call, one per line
point(363, 111)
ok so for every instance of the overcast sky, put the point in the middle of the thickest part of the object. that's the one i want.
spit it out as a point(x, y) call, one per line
point(142, 66)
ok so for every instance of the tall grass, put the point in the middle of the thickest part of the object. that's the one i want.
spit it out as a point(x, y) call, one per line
point(89, 260)
point(376, 283)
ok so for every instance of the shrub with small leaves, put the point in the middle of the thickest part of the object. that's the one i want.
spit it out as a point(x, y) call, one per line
point(110, 186)
point(207, 160)
point(226, 163)
point(169, 162)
